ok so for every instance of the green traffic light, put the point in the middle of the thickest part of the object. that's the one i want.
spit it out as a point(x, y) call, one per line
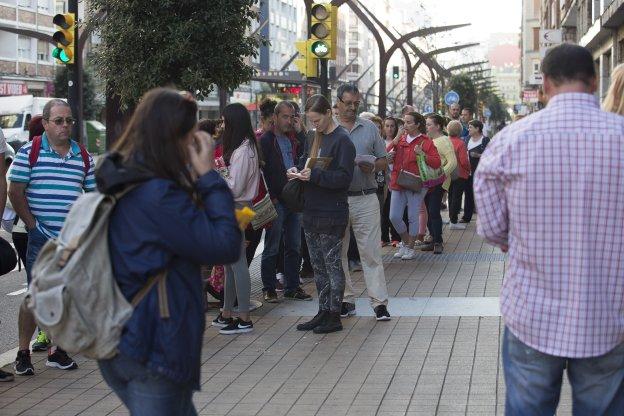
point(60, 54)
point(320, 48)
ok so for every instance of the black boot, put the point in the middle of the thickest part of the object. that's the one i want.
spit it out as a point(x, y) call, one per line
point(331, 324)
point(319, 319)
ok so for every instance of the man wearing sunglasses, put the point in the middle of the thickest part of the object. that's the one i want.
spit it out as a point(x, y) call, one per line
point(46, 177)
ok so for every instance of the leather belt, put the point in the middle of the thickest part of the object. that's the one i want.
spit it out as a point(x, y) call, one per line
point(362, 192)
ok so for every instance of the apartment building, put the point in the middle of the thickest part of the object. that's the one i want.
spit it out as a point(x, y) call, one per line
point(26, 64)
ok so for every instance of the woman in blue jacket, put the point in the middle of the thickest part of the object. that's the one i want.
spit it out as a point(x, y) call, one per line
point(179, 215)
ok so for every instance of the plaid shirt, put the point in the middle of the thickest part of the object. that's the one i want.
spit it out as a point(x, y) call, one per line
point(551, 187)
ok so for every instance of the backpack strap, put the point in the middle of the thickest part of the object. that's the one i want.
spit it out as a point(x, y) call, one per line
point(163, 303)
point(35, 149)
point(85, 159)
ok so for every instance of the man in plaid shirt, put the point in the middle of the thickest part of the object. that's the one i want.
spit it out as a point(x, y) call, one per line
point(550, 190)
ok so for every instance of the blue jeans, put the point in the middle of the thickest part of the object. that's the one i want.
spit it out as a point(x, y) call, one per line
point(533, 381)
point(286, 225)
point(36, 241)
point(144, 392)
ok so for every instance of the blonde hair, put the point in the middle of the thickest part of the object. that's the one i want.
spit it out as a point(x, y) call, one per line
point(454, 128)
point(613, 102)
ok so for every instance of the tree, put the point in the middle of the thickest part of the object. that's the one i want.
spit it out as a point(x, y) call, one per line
point(497, 107)
point(91, 105)
point(464, 86)
point(192, 44)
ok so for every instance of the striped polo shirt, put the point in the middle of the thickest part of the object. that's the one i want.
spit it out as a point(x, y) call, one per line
point(54, 183)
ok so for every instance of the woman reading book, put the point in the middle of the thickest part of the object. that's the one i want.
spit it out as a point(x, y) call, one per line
point(326, 170)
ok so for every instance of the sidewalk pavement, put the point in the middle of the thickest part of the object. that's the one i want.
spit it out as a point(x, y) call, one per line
point(439, 355)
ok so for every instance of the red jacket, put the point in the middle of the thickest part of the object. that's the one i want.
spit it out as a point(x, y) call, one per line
point(405, 158)
point(461, 152)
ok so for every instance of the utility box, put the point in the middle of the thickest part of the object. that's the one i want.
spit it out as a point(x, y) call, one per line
point(96, 137)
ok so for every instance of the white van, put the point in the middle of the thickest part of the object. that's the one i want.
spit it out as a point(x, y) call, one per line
point(15, 113)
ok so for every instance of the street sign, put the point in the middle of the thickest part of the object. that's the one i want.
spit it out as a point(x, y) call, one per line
point(549, 38)
point(487, 112)
point(451, 97)
point(530, 96)
point(536, 79)
point(428, 108)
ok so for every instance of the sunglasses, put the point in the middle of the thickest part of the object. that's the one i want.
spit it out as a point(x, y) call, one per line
point(59, 121)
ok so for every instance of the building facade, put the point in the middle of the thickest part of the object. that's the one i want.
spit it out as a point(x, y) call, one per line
point(26, 63)
point(529, 47)
point(598, 25)
point(281, 30)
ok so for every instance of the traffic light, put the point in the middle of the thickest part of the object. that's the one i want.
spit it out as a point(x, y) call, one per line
point(306, 62)
point(64, 37)
point(395, 72)
point(324, 30)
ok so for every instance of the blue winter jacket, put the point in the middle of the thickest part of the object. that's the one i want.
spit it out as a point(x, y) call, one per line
point(157, 226)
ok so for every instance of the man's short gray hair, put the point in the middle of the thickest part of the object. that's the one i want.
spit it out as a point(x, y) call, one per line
point(348, 87)
point(47, 109)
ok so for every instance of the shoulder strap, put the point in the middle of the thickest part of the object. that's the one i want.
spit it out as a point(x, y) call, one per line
point(85, 158)
point(163, 303)
point(35, 149)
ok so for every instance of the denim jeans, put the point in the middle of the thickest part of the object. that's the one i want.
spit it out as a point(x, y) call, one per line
point(533, 381)
point(287, 225)
point(36, 241)
point(144, 392)
point(433, 200)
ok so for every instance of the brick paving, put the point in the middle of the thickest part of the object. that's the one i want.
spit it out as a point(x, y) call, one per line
point(412, 365)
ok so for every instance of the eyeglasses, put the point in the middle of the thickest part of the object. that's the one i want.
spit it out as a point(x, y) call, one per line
point(59, 121)
point(355, 104)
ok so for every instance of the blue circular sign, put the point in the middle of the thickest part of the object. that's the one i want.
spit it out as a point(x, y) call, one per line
point(487, 112)
point(428, 108)
point(451, 97)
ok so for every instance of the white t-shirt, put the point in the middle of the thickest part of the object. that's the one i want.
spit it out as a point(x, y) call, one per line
point(472, 144)
point(411, 139)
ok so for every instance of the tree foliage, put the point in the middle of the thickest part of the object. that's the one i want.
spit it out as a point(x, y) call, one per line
point(498, 107)
point(192, 44)
point(91, 105)
point(464, 86)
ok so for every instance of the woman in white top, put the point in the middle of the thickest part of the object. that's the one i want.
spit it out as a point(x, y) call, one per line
point(241, 166)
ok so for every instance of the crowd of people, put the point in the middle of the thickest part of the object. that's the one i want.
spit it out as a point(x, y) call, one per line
point(340, 190)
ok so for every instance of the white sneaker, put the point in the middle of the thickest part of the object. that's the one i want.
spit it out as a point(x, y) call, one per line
point(399, 254)
point(457, 227)
point(409, 254)
point(445, 221)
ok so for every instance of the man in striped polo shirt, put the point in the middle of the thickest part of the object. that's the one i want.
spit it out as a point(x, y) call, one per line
point(42, 189)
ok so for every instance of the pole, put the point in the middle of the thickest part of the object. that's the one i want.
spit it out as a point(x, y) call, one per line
point(74, 76)
point(324, 80)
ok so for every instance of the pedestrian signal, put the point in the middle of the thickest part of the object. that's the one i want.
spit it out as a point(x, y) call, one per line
point(395, 72)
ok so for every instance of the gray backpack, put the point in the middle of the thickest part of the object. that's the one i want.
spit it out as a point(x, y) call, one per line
point(73, 295)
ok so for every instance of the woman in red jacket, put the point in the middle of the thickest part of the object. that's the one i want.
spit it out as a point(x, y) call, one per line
point(458, 184)
point(411, 143)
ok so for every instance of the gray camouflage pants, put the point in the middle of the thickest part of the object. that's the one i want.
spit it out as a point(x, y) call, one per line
point(326, 258)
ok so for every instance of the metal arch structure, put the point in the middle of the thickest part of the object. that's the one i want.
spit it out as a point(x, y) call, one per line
point(411, 71)
point(398, 42)
point(468, 65)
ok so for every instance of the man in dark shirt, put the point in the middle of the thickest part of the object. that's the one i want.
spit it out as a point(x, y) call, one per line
point(281, 151)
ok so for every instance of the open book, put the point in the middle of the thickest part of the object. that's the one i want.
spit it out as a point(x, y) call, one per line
point(318, 162)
